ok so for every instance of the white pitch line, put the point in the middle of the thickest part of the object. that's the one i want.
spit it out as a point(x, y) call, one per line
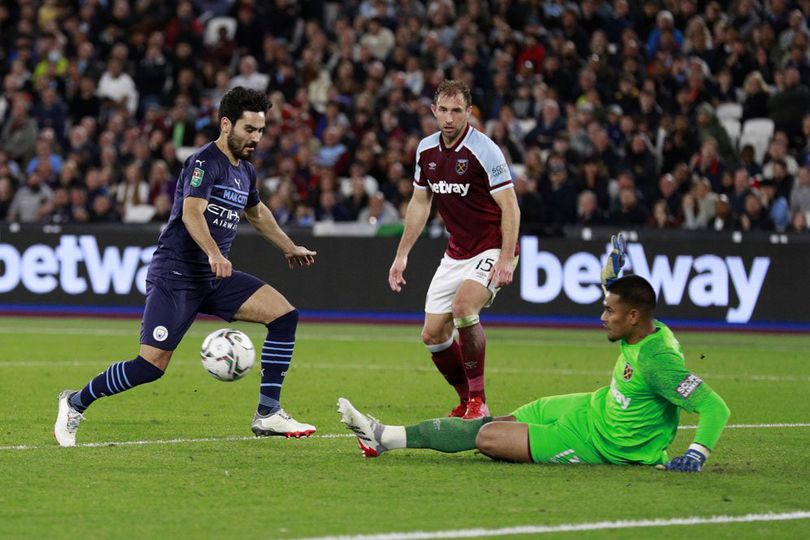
point(324, 436)
point(755, 426)
point(572, 527)
point(170, 441)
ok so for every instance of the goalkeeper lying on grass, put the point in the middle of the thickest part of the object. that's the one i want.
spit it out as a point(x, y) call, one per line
point(633, 420)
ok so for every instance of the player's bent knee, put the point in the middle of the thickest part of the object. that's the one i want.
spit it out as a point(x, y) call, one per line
point(431, 338)
point(463, 307)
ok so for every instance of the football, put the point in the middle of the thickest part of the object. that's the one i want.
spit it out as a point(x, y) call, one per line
point(227, 354)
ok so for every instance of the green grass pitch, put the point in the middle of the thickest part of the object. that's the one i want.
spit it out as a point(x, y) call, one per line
point(191, 469)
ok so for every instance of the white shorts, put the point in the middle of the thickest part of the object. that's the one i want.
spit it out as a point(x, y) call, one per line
point(452, 272)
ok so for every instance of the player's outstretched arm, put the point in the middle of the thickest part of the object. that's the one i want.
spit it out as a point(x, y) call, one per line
point(714, 414)
point(263, 221)
point(415, 219)
point(615, 261)
point(504, 268)
point(197, 227)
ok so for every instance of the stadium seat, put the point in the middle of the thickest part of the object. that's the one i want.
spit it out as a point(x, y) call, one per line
point(757, 132)
point(733, 128)
point(729, 110)
point(212, 29)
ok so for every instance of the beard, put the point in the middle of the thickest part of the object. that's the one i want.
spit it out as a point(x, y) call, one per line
point(236, 147)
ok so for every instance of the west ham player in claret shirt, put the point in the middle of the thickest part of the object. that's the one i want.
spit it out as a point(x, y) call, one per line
point(190, 273)
point(467, 174)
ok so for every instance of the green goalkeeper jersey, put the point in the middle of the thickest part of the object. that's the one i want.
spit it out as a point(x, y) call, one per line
point(635, 418)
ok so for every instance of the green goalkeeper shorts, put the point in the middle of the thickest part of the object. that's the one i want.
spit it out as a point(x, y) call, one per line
point(558, 429)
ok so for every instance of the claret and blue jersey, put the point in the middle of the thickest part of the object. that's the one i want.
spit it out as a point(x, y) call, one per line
point(229, 189)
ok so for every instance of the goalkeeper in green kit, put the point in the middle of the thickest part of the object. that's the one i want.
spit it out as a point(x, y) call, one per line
point(631, 421)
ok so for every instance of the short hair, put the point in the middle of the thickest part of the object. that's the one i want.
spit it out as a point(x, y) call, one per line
point(634, 291)
point(450, 87)
point(240, 99)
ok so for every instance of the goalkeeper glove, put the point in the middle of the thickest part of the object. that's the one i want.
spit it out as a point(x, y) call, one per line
point(691, 461)
point(615, 261)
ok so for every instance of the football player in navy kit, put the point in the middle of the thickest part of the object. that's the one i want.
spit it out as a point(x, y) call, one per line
point(190, 273)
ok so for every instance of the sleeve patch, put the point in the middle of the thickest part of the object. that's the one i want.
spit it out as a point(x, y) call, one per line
point(197, 176)
point(499, 170)
point(688, 385)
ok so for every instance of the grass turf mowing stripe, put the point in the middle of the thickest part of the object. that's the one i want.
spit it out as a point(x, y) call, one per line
point(572, 527)
point(324, 436)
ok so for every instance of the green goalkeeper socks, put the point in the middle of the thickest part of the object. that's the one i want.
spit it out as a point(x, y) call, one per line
point(445, 434)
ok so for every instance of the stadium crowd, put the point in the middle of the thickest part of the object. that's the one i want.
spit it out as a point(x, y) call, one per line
point(655, 113)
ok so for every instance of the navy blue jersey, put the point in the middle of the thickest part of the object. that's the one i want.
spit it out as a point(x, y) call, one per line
point(229, 189)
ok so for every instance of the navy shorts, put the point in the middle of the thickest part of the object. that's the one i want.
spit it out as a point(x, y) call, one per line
point(172, 305)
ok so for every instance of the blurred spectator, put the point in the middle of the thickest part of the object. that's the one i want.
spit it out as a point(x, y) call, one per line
point(723, 219)
point(249, 76)
point(699, 205)
point(630, 213)
point(708, 164)
point(778, 151)
point(85, 102)
point(132, 196)
point(798, 222)
point(789, 105)
point(19, 134)
point(548, 126)
point(588, 211)
point(800, 194)
point(45, 153)
point(669, 194)
point(661, 217)
point(79, 210)
point(28, 203)
point(6, 196)
point(57, 210)
point(184, 26)
point(163, 209)
point(558, 194)
point(102, 210)
point(754, 216)
point(330, 208)
point(757, 93)
point(50, 112)
point(379, 211)
point(776, 205)
point(709, 128)
point(117, 87)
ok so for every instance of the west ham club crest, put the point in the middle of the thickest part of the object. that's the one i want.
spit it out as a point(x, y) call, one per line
point(628, 372)
point(461, 166)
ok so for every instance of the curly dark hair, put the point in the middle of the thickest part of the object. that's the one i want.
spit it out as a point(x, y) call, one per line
point(240, 99)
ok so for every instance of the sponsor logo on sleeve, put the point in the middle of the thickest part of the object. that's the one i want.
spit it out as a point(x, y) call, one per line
point(499, 170)
point(197, 176)
point(688, 385)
